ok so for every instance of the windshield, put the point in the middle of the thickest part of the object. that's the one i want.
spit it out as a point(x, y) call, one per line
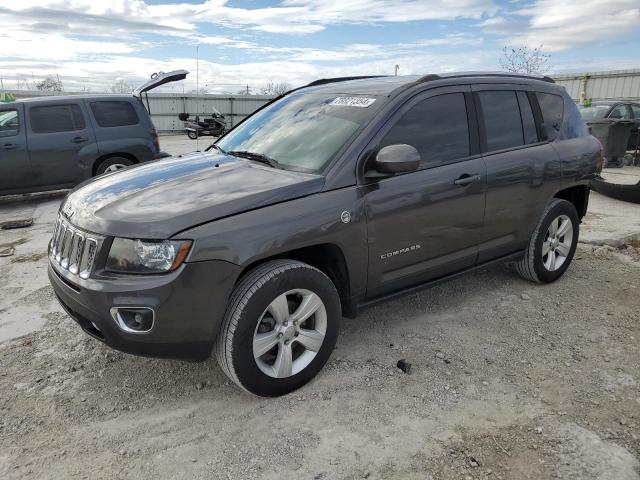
point(594, 112)
point(304, 131)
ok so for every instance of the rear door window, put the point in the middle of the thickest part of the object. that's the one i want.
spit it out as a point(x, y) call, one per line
point(56, 118)
point(636, 111)
point(552, 107)
point(501, 116)
point(114, 113)
point(9, 123)
point(437, 127)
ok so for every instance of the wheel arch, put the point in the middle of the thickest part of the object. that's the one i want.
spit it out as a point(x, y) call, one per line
point(578, 195)
point(326, 257)
point(107, 156)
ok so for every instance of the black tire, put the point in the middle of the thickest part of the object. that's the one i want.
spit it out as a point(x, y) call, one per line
point(192, 135)
point(532, 265)
point(111, 162)
point(248, 303)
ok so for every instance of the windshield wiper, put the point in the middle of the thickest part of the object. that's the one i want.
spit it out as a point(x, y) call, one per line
point(213, 145)
point(257, 157)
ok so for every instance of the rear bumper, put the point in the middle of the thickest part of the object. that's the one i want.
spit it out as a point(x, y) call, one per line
point(188, 305)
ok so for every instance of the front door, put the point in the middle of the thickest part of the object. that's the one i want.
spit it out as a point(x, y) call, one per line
point(61, 143)
point(15, 170)
point(427, 224)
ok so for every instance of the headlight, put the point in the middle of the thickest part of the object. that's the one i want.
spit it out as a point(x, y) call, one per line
point(146, 256)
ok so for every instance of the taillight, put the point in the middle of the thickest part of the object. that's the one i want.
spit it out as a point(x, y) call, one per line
point(601, 160)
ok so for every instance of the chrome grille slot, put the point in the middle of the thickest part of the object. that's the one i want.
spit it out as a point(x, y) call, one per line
point(88, 256)
point(73, 249)
point(77, 243)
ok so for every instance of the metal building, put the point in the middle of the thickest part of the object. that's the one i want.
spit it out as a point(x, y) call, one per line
point(618, 84)
point(165, 107)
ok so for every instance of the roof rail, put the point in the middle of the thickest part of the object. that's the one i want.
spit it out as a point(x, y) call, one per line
point(324, 81)
point(431, 77)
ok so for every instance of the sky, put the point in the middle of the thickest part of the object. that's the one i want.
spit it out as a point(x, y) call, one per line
point(92, 44)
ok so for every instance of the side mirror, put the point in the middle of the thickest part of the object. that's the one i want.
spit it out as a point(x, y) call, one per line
point(399, 158)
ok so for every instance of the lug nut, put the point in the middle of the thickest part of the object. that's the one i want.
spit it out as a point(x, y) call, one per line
point(286, 342)
point(295, 322)
point(279, 335)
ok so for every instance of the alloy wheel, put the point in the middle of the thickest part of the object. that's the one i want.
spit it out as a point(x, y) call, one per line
point(290, 333)
point(557, 243)
point(114, 167)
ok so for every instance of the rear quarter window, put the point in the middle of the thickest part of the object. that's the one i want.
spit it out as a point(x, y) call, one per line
point(574, 125)
point(552, 107)
point(114, 113)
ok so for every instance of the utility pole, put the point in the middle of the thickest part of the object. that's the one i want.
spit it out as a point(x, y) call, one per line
point(397, 68)
point(247, 89)
point(197, 70)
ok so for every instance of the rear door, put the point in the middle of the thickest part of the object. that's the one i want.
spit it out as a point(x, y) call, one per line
point(426, 224)
point(522, 170)
point(61, 143)
point(15, 170)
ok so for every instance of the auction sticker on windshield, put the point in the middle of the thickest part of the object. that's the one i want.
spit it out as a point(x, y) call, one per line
point(363, 102)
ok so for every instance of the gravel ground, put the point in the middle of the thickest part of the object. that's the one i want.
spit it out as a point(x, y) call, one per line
point(508, 380)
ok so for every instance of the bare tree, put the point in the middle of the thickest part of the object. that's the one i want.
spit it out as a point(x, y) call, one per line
point(274, 88)
point(525, 60)
point(122, 86)
point(50, 84)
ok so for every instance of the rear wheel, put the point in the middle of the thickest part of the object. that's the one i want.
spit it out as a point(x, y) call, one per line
point(552, 244)
point(280, 327)
point(113, 164)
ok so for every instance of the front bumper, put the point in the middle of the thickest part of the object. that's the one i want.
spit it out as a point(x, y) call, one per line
point(189, 305)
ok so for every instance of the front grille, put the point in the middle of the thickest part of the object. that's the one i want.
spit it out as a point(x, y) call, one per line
point(72, 249)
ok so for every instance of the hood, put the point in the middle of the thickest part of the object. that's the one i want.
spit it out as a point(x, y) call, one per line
point(158, 79)
point(159, 199)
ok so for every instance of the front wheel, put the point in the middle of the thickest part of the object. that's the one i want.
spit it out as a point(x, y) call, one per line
point(192, 134)
point(552, 244)
point(280, 327)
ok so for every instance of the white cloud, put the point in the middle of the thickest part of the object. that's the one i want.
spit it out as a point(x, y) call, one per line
point(562, 25)
point(96, 42)
point(290, 16)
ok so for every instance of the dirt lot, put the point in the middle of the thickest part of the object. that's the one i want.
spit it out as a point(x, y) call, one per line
point(509, 380)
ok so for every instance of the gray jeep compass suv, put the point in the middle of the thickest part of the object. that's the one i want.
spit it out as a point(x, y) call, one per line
point(332, 197)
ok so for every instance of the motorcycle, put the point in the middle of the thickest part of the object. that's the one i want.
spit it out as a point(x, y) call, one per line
point(215, 126)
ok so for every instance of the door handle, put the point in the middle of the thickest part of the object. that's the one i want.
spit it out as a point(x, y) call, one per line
point(79, 139)
point(466, 179)
point(9, 146)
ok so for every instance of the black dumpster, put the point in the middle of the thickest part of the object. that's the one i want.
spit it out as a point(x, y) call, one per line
point(614, 135)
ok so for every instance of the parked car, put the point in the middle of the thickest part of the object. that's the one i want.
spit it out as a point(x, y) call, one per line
point(329, 199)
point(48, 143)
point(618, 110)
